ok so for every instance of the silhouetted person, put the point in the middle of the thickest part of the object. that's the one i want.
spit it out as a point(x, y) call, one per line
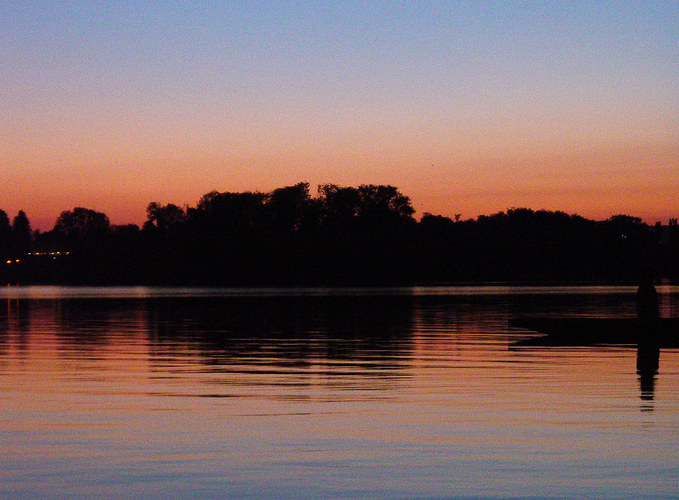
point(647, 298)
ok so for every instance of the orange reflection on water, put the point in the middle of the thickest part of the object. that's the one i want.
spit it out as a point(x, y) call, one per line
point(240, 394)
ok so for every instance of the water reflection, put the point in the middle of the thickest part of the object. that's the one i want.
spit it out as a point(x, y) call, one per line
point(648, 362)
point(345, 341)
point(300, 395)
point(285, 341)
point(15, 324)
point(646, 336)
point(294, 328)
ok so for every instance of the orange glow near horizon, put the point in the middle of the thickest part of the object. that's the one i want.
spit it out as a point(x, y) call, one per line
point(595, 182)
point(468, 109)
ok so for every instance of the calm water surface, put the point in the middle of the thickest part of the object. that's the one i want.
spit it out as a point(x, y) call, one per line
point(399, 393)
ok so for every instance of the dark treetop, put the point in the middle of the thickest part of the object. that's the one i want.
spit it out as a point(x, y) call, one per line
point(364, 235)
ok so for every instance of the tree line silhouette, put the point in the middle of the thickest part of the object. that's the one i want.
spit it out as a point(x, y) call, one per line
point(365, 235)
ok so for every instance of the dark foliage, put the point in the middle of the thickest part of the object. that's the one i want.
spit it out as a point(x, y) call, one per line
point(5, 236)
point(362, 235)
point(20, 238)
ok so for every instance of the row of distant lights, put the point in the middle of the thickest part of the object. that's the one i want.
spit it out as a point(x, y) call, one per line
point(54, 255)
point(48, 253)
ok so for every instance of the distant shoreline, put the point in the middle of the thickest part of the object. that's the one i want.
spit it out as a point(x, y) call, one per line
point(343, 236)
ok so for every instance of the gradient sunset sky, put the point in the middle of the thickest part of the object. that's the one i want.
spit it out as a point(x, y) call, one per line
point(468, 107)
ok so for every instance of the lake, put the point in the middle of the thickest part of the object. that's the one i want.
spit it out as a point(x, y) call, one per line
point(328, 393)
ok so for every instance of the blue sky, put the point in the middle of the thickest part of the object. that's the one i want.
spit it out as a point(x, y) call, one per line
point(115, 104)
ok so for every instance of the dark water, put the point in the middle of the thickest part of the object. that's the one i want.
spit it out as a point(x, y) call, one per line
point(174, 393)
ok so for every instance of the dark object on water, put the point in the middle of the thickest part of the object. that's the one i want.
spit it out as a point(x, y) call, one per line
point(646, 335)
point(647, 298)
point(663, 332)
point(648, 362)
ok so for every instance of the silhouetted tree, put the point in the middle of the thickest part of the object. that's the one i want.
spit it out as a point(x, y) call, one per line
point(365, 233)
point(342, 235)
point(5, 236)
point(165, 246)
point(232, 212)
point(439, 250)
point(85, 235)
point(383, 203)
point(21, 235)
point(228, 238)
point(165, 218)
point(82, 225)
point(291, 219)
point(288, 207)
point(339, 205)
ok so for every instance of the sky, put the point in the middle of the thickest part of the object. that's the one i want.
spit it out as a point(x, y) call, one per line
point(468, 107)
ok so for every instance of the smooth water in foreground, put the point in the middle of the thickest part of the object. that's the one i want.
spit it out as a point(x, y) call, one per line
point(176, 393)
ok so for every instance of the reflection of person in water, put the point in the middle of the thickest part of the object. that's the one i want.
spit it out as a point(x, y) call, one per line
point(648, 358)
point(647, 298)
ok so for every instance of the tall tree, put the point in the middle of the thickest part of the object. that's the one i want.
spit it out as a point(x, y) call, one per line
point(21, 235)
point(5, 235)
point(165, 218)
point(384, 203)
point(82, 224)
point(339, 204)
point(231, 212)
point(287, 207)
